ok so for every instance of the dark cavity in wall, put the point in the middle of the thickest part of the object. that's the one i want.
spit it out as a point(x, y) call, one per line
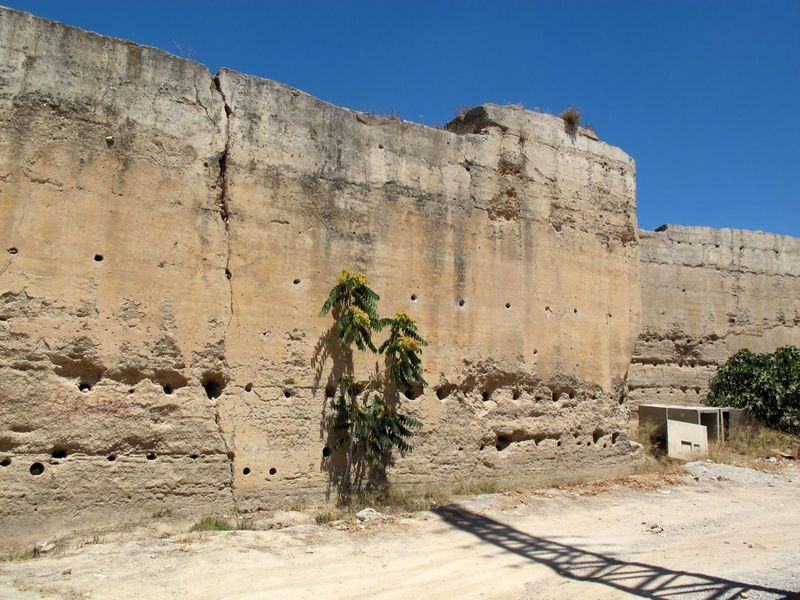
point(213, 384)
point(170, 380)
point(444, 390)
point(414, 392)
point(503, 442)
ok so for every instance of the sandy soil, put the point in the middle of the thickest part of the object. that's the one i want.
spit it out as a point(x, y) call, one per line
point(725, 533)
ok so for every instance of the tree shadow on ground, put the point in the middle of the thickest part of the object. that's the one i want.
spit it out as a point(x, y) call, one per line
point(638, 579)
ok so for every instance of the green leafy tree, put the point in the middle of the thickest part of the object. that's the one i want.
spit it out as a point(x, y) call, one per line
point(402, 351)
point(368, 426)
point(355, 310)
point(767, 386)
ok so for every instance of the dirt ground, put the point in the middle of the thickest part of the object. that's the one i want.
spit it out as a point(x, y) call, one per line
point(723, 532)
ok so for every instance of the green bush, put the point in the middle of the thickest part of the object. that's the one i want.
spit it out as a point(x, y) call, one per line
point(766, 386)
point(212, 524)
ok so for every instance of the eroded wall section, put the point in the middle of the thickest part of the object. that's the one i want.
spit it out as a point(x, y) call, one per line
point(509, 239)
point(113, 295)
point(707, 293)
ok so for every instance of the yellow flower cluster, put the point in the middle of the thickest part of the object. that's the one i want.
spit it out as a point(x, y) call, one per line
point(352, 277)
point(408, 344)
point(403, 318)
point(359, 316)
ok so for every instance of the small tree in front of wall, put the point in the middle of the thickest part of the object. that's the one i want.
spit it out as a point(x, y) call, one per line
point(368, 427)
point(766, 386)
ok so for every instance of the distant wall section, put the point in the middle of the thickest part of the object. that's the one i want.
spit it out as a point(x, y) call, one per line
point(707, 293)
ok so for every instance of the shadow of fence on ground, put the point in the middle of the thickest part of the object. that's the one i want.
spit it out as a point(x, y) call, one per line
point(638, 579)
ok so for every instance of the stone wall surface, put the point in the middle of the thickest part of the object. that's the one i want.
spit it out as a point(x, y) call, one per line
point(169, 237)
point(112, 279)
point(707, 293)
point(513, 246)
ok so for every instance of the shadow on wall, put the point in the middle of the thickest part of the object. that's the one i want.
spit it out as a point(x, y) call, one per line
point(638, 579)
point(348, 472)
point(330, 348)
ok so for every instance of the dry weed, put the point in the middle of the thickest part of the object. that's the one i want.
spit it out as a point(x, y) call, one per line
point(18, 555)
point(747, 446)
point(572, 118)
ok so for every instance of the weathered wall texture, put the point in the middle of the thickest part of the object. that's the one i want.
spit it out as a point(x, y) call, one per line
point(707, 293)
point(169, 238)
point(112, 278)
point(533, 229)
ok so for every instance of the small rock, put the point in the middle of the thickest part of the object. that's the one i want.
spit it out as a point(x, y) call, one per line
point(655, 528)
point(43, 548)
point(368, 514)
point(289, 518)
point(66, 572)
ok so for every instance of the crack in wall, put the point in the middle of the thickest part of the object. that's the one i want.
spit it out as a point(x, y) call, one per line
point(224, 212)
point(222, 201)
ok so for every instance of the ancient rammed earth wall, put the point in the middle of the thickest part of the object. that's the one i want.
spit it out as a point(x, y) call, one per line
point(707, 293)
point(169, 238)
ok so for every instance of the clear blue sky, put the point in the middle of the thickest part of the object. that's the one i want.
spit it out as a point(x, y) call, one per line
point(705, 95)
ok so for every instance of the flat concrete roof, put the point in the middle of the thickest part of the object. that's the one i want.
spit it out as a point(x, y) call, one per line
point(697, 408)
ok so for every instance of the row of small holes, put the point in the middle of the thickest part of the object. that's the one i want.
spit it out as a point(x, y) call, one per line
point(37, 468)
point(505, 443)
point(461, 302)
point(212, 386)
point(272, 471)
point(14, 250)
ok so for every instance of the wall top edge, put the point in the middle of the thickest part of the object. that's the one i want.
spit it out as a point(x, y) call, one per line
point(670, 231)
point(505, 117)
